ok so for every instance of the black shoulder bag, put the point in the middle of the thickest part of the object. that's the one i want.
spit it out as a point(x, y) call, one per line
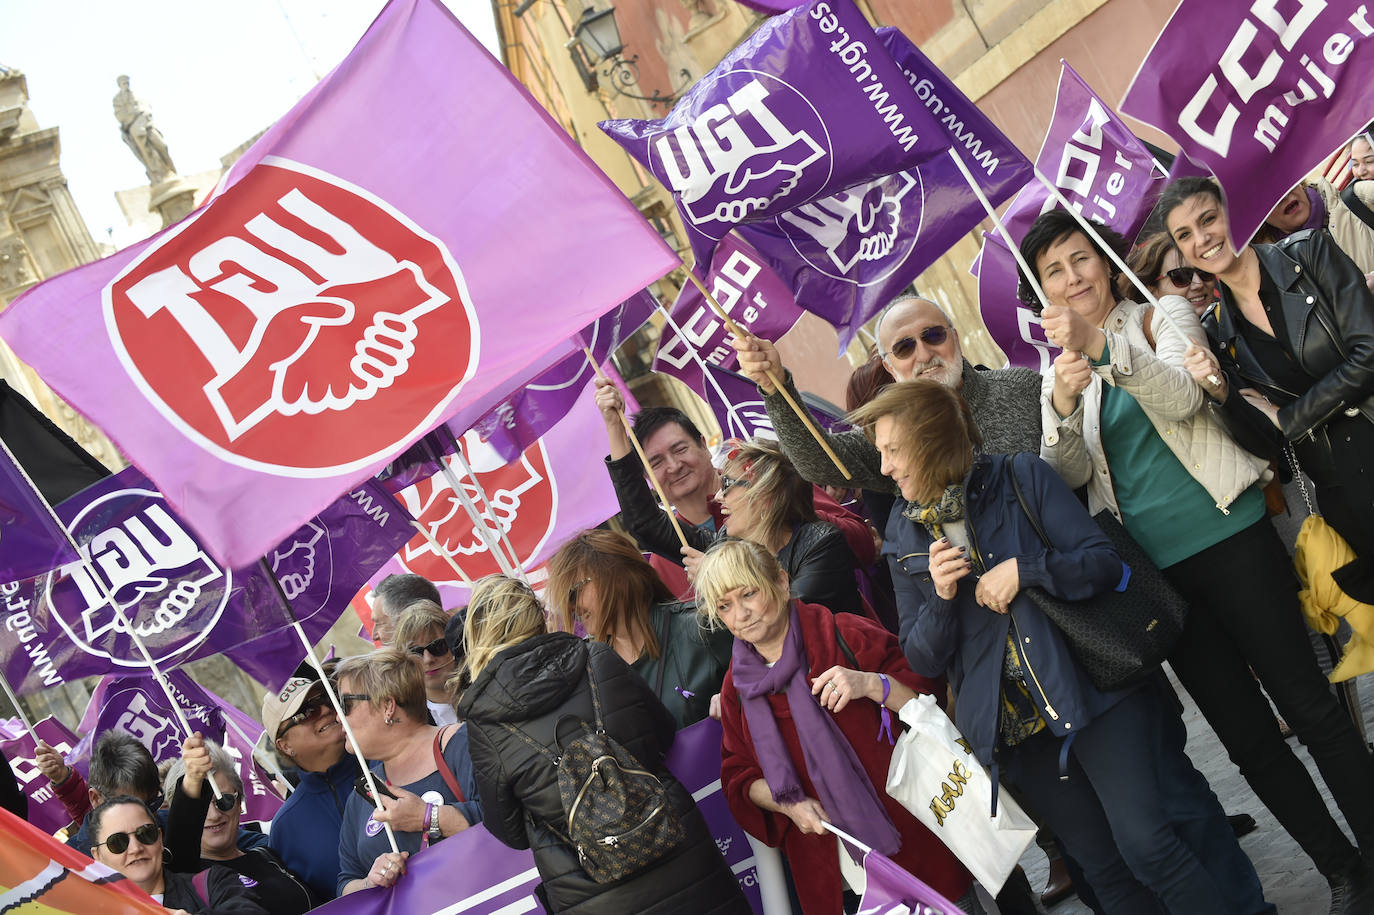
point(1119, 637)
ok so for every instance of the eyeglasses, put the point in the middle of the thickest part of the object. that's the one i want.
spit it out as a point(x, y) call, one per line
point(728, 483)
point(311, 709)
point(437, 648)
point(935, 335)
point(1183, 276)
point(118, 842)
point(156, 803)
point(347, 700)
point(227, 802)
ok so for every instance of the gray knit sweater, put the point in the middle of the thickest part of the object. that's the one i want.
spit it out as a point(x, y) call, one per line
point(1005, 405)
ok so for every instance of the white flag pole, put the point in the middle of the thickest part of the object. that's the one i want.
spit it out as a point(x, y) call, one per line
point(333, 697)
point(479, 525)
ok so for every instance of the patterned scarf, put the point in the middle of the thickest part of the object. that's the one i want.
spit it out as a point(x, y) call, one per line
point(933, 517)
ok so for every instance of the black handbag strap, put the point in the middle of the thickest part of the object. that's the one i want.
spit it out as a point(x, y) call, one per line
point(1356, 205)
point(663, 650)
point(1025, 506)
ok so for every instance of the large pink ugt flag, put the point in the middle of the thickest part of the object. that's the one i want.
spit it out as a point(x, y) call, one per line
point(403, 247)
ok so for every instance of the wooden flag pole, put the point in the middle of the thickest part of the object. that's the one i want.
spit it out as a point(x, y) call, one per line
point(705, 372)
point(634, 443)
point(333, 698)
point(778, 386)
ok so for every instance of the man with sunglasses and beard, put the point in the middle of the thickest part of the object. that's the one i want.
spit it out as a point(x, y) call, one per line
point(916, 339)
point(306, 734)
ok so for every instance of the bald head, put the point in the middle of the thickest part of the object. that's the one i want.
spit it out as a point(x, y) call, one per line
point(917, 339)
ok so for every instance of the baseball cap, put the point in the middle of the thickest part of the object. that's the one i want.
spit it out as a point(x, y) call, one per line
point(277, 707)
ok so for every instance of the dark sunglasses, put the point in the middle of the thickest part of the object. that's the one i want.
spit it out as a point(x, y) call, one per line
point(728, 483)
point(347, 699)
point(226, 802)
point(935, 335)
point(118, 842)
point(437, 648)
point(1183, 276)
point(311, 709)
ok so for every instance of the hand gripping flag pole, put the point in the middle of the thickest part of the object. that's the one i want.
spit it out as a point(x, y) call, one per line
point(797, 408)
point(1115, 258)
point(639, 450)
point(333, 696)
point(119, 616)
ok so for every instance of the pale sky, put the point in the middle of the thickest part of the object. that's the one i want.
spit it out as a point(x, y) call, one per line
point(215, 72)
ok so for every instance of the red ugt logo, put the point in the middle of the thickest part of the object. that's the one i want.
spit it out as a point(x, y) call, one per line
point(299, 323)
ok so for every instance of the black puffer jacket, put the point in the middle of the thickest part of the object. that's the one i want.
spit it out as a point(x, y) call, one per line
point(534, 685)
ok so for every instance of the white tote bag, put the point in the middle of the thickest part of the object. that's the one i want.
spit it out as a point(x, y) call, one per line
point(935, 775)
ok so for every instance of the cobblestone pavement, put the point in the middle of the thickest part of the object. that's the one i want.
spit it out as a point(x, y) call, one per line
point(1290, 880)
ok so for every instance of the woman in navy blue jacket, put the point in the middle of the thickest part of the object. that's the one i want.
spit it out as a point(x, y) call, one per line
point(962, 550)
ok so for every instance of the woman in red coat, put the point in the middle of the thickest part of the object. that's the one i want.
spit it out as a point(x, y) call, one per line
point(808, 737)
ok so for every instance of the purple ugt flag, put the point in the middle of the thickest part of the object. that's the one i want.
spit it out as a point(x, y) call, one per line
point(847, 256)
point(1105, 173)
point(746, 290)
point(1259, 94)
point(811, 103)
point(183, 604)
point(31, 542)
point(45, 808)
point(746, 416)
point(325, 308)
point(321, 567)
point(137, 705)
point(524, 417)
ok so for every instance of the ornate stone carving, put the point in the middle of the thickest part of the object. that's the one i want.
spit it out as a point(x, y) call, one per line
point(16, 264)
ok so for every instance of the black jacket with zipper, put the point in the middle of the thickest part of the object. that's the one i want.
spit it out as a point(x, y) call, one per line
point(1328, 314)
point(540, 687)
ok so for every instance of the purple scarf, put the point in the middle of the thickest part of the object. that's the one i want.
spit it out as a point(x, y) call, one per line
point(845, 790)
point(1317, 218)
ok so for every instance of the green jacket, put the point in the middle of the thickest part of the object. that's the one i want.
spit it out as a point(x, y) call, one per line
point(691, 658)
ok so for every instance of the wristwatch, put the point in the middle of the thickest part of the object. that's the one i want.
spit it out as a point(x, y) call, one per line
point(434, 833)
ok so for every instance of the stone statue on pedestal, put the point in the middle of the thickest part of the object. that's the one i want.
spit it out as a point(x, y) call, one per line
point(141, 135)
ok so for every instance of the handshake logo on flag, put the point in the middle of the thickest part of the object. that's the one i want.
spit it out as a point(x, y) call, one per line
point(524, 499)
point(858, 224)
point(160, 579)
point(738, 157)
point(304, 305)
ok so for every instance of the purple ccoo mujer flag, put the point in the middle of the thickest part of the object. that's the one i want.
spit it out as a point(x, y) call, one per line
point(1102, 169)
point(354, 281)
point(849, 255)
point(1259, 93)
point(808, 105)
point(749, 292)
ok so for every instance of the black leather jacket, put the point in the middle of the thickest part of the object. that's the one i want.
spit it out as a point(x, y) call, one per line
point(1328, 313)
point(535, 685)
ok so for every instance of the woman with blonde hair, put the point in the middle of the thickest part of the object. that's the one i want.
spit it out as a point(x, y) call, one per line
point(532, 693)
point(419, 632)
point(600, 578)
point(807, 694)
point(430, 792)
